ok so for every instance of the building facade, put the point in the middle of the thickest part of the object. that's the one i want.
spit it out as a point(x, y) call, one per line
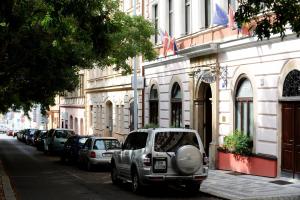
point(72, 108)
point(218, 81)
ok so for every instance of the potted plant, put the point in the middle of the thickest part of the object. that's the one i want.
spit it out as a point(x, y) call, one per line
point(236, 155)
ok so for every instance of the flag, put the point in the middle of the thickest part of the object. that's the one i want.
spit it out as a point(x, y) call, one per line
point(220, 17)
point(165, 43)
point(231, 22)
point(247, 28)
point(175, 48)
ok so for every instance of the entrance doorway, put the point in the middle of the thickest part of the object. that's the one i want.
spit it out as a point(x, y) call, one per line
point(290, 162)
point(203, 114)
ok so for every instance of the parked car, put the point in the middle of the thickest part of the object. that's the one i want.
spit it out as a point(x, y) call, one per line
point(56, 138)
point(20, 135)
point(162, 155)
point(29, 135)
point(36, 134)
point(98, 151)
point(39, 141)
point(9, 132)
point(71, 148)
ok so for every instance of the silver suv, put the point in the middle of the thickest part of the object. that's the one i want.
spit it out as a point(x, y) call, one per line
point(162, 155)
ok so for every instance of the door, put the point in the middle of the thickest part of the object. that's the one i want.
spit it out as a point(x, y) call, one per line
point(291, 138)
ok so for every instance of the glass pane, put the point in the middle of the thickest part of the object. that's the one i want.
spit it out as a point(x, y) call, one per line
point(176, 91)
point(171, 141)
point(245, 118)
point(244, 89)
point(237, 116)
point(153, 93)
point(291, 86)
point(251, 120)
point(99, 145)
point(176, 114)
point(154, 112)
point(111, 144)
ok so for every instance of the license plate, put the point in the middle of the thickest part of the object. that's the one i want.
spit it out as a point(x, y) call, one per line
point(107, 155)
point(160, 164)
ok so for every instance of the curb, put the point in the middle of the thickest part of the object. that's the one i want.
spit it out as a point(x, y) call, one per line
point(6, 185)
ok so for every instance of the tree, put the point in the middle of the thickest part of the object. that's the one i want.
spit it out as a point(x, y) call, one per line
point(270, 16)
point(44, 43)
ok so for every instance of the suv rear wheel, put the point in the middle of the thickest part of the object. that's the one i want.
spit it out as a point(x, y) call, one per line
point(114, 175)
point(136, 185)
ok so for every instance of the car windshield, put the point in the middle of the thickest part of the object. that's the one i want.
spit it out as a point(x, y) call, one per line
point(171, 141)
point(105, 144)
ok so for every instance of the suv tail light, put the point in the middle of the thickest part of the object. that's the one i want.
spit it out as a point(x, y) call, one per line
point(93, 154)
point(147, 159)
point(205, 159)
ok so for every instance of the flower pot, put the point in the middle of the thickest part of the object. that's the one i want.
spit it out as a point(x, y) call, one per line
point(255, 164)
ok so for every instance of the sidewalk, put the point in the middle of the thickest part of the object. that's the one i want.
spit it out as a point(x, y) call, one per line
point(231, 185)
point(6, 192)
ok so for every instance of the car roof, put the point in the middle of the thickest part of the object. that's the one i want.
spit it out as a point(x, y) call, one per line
point(104, 138)
point(62, 129)
point(165, 130)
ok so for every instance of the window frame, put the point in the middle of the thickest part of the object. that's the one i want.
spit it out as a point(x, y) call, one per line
point(171, 11)
point(154, 106)
point(187, 17)
point(155, 8)
point(239, 108)
point(176, 106)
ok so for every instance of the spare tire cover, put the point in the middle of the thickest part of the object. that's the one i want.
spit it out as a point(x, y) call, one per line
point(188, 159)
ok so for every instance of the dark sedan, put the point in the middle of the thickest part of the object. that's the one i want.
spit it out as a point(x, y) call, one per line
point(72, 147)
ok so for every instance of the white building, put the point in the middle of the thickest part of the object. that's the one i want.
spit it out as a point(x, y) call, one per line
point(221, 81)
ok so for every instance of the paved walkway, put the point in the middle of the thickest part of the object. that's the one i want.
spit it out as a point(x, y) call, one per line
point(237, 186)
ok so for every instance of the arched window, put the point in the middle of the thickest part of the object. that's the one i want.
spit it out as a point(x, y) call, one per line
point(244, 107)
point(176, 106)
point(153, 105)
point(291, 85)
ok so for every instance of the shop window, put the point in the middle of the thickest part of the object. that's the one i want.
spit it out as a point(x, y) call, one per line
point(244, 107)
point(153, 105)
point(176, 106)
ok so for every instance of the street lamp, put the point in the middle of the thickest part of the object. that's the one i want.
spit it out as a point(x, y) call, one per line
point(135, 103)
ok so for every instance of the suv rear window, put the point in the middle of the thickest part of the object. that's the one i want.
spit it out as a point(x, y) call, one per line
point(171, 141)
point(105, 144)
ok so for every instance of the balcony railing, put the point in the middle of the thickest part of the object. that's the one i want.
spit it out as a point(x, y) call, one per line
point(72, 100)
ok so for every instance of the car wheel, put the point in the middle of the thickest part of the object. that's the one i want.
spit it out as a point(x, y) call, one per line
point(136, 185)
point(89, 166)
point(114, 175)
point(193, 187)
point(63, 159)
